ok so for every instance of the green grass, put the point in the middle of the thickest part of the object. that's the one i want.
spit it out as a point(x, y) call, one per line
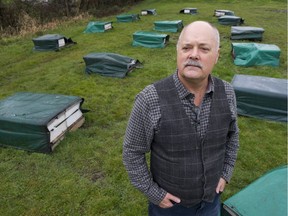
point(85, 175)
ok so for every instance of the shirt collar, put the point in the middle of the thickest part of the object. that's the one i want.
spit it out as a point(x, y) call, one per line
point(183, 92)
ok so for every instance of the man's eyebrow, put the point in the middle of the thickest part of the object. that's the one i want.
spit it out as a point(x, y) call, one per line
point(199, 44)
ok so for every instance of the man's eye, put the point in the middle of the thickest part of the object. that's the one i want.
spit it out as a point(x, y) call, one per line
point(205, 48)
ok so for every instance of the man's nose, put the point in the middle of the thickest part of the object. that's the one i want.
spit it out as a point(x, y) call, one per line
point(194, 54)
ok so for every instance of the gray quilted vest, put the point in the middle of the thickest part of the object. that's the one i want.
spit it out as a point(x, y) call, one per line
point(182, 163)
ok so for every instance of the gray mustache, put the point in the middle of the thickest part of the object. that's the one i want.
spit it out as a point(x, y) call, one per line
point(192, 63)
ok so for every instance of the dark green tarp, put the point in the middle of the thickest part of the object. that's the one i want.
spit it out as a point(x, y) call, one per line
point(168, 26)
point(267, 196)
point(252, 54)
point(230, 20)
point(150, 39)
point(261, 97)
point(110, 64)
point(24, 119)
point(51, 42)
point(219, 13)
point(98, 26)
point(148, 12)
point(246, 33)
point(128, 17)
point(188, 11)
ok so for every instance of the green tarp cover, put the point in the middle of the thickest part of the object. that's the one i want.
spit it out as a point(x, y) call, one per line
point(109, 64)
point(261, 97)
point(150, 39)
point(168, 26)
point(24, 117)
point(219, 13)
point(50, 42)
point(189, 11)
point(246, 32)
point(128, 17)
point(230, 20)
point(267, 196)
point(98, 26)
point(148, 12)
point(251, 54)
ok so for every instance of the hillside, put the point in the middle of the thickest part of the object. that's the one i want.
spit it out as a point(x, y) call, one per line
point(85, 174)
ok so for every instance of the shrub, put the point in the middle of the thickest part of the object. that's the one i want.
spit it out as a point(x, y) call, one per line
point(18, 16)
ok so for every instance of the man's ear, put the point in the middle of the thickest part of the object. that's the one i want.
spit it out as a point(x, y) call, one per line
point(218, 54)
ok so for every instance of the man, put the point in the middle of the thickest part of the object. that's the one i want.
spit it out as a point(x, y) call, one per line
point(188, 123)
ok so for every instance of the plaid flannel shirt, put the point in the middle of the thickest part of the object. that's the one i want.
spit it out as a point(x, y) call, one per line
point(144, 122)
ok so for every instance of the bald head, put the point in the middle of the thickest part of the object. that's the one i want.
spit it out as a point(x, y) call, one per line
point(197, 52)
point(194, 26)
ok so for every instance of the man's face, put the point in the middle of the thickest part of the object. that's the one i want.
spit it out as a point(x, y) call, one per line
point(197, 52)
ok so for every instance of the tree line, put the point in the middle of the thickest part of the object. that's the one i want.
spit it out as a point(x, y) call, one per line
point(17, 14)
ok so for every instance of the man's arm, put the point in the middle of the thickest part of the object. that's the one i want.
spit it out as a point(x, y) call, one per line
point(232, 144)
point(138, 138)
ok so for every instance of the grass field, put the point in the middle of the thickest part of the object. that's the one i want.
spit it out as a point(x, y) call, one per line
point(85, 174)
